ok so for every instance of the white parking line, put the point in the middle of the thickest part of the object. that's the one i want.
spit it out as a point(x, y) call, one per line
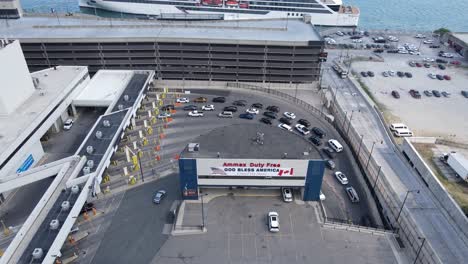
point(293, 236)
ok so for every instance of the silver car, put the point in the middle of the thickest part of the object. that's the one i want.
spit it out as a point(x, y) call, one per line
point(158, 196)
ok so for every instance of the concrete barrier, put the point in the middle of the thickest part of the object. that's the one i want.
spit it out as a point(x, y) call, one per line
point(434, 185)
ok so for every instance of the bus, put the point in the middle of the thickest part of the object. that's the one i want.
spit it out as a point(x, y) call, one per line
point(340, 70)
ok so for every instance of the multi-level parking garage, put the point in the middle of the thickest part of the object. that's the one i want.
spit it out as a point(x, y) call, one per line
point(286, 51)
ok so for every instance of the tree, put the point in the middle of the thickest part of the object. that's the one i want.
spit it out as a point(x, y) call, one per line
point(441, 31)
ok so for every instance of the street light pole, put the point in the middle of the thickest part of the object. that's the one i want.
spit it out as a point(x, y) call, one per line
point(403, 204)
point(360, 145)
point(141, 168)
point(420, 249)
point(203, 212)
point(370, 155)
point(349, 122)
point(377, 178)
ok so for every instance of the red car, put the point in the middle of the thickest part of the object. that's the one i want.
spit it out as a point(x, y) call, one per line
point(446, 77)
point(455, 62)
point(418, 64)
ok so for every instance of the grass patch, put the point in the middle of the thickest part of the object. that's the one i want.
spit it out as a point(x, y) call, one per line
point(458, 190)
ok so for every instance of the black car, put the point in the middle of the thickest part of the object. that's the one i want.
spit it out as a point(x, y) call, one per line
point(370, 73)
point(415, 94)
point(392, 51)
point(440, 77)
point(273, 108)
point(434, 46)
point(330, 153)
point(319, 132)
point(87, 207)
point(330, 164)
point(167, 107)
point(368, 46)
point(246, 116)
point(266, 120)
point(396, 94)
point(257, 106)
point(240, 103)
point(427, 65)
point(230, 109)
point(285, 120)
point(315, 140)
point(465, 93)
point(408, 74)
point(441, 66)
point(400, 74)
point(356, 37)
point(364, 74)
point(441, 61)
point(219, 99)
point(436, 93)
point(304, 122)
point(270, 115)
point(190, 107)
point(378, 51)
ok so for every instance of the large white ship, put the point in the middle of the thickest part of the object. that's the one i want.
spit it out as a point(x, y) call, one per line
point(322, 12)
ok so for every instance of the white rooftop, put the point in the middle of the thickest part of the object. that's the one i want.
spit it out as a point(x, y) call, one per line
point(463, 36)
point(54, 86)
point(104, 88)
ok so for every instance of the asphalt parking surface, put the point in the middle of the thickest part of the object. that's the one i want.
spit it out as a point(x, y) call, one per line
point(238, 233)
point(136, 232)
point(185, 129)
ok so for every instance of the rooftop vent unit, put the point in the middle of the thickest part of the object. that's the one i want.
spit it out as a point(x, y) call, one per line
point(54, 224)
point(98, 134)
point(86, 170)
point(120, 107)
point(90, 163)
point(90, 149)
point(37, 253)
point(36, 82)
point(126, 98)
point(65, 206)
point(106, 123)
point(75, 189)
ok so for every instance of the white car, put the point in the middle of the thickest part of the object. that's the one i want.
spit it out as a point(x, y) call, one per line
point(339, 33)
point(428, 41)
point(289, 115)
point(285, 127)
point(163, 115)
point(252, 111)
point(447, 55)
point(322, 196)
point(303, 129)
point(273, 222)
point(195, 113)
point(391, 73)
point(68, 124)
point(403, 51)
point(182, 100)
point(419, 36)
point(225, 114)
point(357, 40)
point(428, 60)
point(341, 177)
point(208, 108)
point(432, 75)
point(287, 194)
point(412, 52)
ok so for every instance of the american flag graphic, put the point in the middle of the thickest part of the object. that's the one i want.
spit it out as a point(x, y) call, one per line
point(217, 171)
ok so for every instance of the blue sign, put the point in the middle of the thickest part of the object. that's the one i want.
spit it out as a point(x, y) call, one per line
point(26, 164)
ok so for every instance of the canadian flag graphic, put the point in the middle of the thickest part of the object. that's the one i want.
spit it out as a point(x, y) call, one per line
point(284, 172)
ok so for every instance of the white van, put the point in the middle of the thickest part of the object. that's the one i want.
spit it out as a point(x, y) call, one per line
point(403, 133)
point(335, 145)
point(397, 126)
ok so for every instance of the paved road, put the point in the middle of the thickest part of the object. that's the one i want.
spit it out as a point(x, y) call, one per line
point(437, 227)
point(135, 234)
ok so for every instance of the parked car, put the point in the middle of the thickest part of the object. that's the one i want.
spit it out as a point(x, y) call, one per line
point(440, 77)
point(319, 132)
point(167, 107)
point(246, 116)
point(445, 94)
point(465, 93)
point(208, 108)
point(330, 164)
point(434, 46)
point(432, 75)
point(436, 93)
point(455, 62)
point(427, 93)
point(285, 127)
point(415, 94)
point(287, 194)
point(441, 61)
point(266, 121)
point(158, 196)
point(364, 74)
point(341, 177)
point(182, 100)
point(447, 77)
point(270, 115)
point(441, 66)
point(315, 140)
point(230, 109)
point(257, 105)
point(164, 115)
point(412, 63)
point(273, 108)
point(428, 59)
point(302, 129)
point(385, 74)
point(240, 103)
point(226, 114)
point(408, 74)
point(190, 107)
point(304, 122)
point(289, 115)
point(68, 124)
point(352, 194)
point(195, 113)
point(427, 65)
point(273, 222)
point(200, 100)
point(253, 111)
point(396, 94)
point(330, 153)
point(391, 73)
point(400, 74)
point(419, 65)
point(286, 121)
point(370, 73)
point(219, 99)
